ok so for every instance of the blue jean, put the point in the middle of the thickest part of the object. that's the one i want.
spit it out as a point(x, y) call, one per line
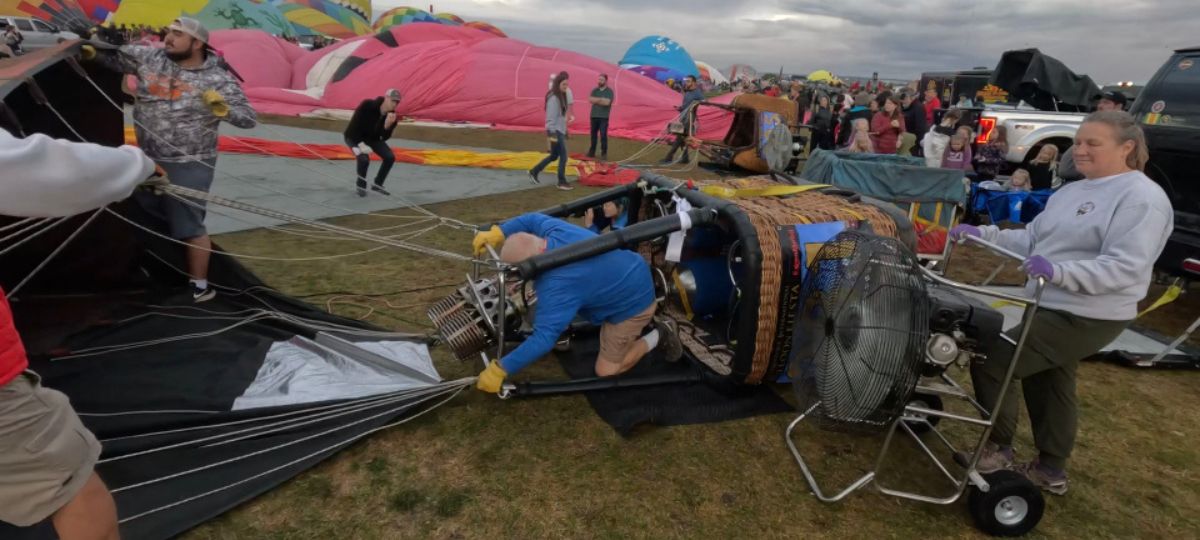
point(558, 150)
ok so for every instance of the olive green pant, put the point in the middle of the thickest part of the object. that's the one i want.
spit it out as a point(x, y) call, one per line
point(1046, 370)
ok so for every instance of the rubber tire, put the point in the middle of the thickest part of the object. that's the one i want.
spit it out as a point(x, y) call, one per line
point(931, 401)
point(1004, 484)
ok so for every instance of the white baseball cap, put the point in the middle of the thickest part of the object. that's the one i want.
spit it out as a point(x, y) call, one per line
point(191, 27)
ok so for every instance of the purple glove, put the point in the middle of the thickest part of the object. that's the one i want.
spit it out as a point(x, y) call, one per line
point(1038, 266)
point(961, 232)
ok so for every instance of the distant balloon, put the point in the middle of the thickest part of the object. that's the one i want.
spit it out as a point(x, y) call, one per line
point(215, 14)
point(450, 17)
point(98, 10)
point(324, 17)
point(660, 51)
point(404, 15)
point(480, 25)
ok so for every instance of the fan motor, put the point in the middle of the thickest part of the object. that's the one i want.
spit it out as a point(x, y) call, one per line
point(942, 350)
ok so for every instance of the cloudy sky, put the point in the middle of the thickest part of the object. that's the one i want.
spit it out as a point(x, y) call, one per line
point(1111, 40)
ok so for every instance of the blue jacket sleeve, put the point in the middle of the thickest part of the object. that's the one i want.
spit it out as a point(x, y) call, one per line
point(556, 308)
point(532, 223)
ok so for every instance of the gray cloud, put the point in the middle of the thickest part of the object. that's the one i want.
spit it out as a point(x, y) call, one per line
point(1107, 39)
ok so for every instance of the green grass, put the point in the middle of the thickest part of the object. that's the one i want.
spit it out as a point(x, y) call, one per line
point(549, 468)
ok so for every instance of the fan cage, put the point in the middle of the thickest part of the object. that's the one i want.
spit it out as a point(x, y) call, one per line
point(861, 333)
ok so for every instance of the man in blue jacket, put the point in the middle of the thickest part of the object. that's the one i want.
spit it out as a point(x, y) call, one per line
point(613, 290)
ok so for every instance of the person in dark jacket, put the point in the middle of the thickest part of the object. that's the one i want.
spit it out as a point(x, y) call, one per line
point(914, 117)
point(822, 122)
point(691, 96)
point(369, 130)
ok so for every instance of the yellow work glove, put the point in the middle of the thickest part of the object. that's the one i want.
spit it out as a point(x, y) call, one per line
point(491, 378)
point(216, 103)
point(87, 52)
point(491, 237)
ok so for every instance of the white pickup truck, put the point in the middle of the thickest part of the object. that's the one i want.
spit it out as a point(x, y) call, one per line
point(1029, 129)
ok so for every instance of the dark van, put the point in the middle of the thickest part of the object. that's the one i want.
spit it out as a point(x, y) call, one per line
point(1168, 110)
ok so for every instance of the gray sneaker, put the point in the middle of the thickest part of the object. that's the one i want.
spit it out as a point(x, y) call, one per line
point(668, 340)
point(1050, 480)
point(994, 458)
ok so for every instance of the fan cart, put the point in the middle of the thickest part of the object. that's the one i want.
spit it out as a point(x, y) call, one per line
point(857, 374)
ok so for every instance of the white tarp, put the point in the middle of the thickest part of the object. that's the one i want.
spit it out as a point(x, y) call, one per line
point(301, 370)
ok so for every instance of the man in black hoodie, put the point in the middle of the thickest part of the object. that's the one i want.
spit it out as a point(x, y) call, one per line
point(369, 130)
point(914, 118)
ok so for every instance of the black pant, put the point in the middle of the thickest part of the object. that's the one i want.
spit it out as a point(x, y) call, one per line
point(599, 126)
point(558, 150)
point(363, 161)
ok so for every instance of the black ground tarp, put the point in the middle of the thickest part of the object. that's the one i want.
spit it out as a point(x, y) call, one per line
point(666, 405)
point(1043, 82)
point(176, 452)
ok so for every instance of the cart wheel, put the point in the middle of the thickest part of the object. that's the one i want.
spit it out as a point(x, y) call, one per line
point(1012, 506)
point(928, 401)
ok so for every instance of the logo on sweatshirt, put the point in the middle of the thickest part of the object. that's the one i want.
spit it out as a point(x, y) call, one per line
point(1085, 208)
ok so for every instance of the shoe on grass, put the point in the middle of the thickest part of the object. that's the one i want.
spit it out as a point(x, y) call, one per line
point(994, 458)
point(566, 187)
point(1049, 479)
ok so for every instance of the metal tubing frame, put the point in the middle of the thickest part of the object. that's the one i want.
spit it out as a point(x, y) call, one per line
point(970, 476)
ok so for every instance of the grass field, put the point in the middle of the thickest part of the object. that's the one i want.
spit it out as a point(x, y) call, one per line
point(483, 468)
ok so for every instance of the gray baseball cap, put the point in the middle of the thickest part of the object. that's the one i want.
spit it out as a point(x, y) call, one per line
point(392, 94)
point(191, 27)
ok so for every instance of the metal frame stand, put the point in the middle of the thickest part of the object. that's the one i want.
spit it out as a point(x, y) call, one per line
point(915, 414)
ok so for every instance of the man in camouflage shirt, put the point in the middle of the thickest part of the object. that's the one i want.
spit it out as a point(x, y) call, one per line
point(183, 93)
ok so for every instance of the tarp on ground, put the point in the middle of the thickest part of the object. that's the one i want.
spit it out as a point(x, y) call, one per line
point(199, 408)
point(433, 157)
point(1043, 81)
point(452, 74)
point(888, 177)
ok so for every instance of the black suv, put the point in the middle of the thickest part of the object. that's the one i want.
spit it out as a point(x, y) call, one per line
point(1168, 110)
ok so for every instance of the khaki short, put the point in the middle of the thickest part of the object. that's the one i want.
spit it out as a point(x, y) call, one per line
point(46, 455)
point(615, 339)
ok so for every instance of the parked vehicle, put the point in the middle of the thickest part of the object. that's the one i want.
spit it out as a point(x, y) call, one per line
point(1050, 103)
point(1028, 129)
point(1168, 110)
point(38, 34)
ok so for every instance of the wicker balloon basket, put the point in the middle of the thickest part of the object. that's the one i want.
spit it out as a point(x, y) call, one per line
point(751, 342)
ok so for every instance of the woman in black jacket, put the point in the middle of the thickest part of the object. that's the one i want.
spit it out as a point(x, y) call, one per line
point(822, 122)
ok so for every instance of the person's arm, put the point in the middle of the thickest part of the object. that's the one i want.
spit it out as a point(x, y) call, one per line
point(532, 223)
point(1015, 240)
point(1127, 254)
point(556, 308)
point(45, 177)
point(128, 58)
point(241, 114)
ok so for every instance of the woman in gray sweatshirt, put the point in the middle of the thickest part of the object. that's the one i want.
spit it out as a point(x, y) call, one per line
point(557, 106)
point(1095, 244)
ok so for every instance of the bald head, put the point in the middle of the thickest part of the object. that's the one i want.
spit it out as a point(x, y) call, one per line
point(521, 246)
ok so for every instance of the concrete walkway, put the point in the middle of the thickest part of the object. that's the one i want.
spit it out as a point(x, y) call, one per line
point(315, 188)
